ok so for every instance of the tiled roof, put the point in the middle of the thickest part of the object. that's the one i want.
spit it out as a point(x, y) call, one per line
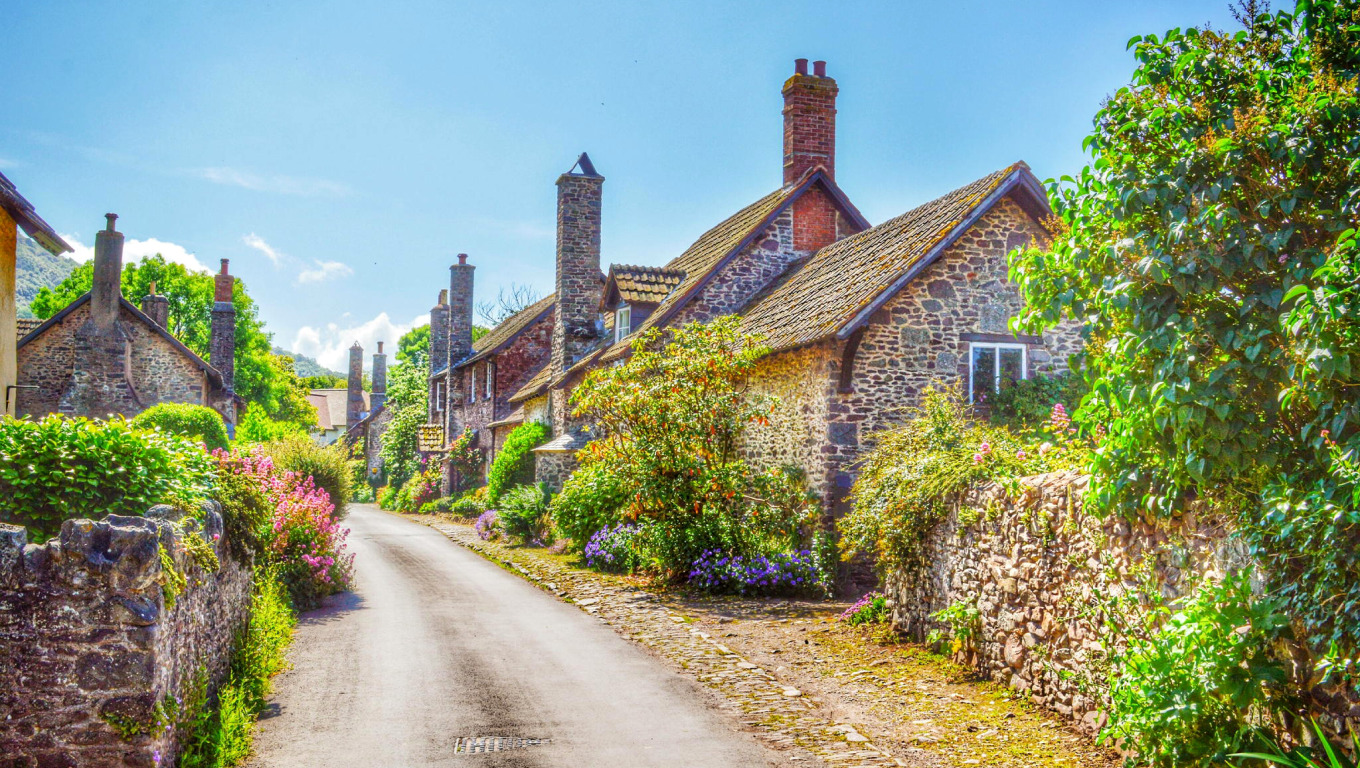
point(25, 325)
point(825, 293)
point(509, 328)
point(535, 386)
point(332, 406)
point(23, 214)
point(642, 285)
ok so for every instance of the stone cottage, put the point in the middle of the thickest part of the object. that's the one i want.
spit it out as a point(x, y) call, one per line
point(102, 355)
point(859, 318)
point(16, 213)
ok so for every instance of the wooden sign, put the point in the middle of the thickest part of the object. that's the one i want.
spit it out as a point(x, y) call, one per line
point(431, 437)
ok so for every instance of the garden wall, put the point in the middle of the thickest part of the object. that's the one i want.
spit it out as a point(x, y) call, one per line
point(91, 647)
point(1035, 565)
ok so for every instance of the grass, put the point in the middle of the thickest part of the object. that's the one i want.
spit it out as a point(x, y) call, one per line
point(221, 734)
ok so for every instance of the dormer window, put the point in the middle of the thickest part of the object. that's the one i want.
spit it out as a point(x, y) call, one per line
point(623, 322)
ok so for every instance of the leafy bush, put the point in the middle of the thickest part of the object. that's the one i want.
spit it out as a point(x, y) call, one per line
point(488, 526)
point(870, 609)
point(408, 402)
point(1197, 680)
point(524, 515)
point(467, 506)
point(327, 466)
point(591, 500)
point(908, 479)
point(422, 488)
point(387, 498)
point(362, 494)
point(246, 507)
point(613, 549)
point(514, 464)
point(57, 468)
point(186, 420)
point(1025, 404)
point(466, 459)
point(964, 622)
point(782, 573)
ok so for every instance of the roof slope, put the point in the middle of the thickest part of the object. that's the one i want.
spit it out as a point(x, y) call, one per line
point(213, 374)
point(833, 291)
point(504, 333)
point(23, 214)
point(332, 406)
point(642, 285)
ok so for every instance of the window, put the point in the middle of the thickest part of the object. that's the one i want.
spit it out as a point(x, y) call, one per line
point(490, 379)
point(472, 385)
point(438, 395)
point(989, 365)
point(623, 322)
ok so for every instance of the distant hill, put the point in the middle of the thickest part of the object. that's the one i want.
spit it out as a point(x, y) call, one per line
point(305, 366)
point(37, 269)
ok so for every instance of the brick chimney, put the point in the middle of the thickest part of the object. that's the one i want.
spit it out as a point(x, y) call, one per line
point(809, 121)
point(107, 289)
point(156, 307)
point(578, 263)
point(222, 344)
point(354, 407)
point(439, 333)
point(379, 395)
point(460, 309)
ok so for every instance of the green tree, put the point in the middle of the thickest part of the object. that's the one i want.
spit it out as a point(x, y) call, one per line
point(408, 400)
point(262, 377)
point(1209, 250)
point(414, 342)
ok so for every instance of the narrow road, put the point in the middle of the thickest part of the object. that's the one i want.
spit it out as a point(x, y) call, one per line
point(436, 644)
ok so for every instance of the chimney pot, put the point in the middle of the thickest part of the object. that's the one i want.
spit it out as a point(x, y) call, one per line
point(380, 347)
point(443, 297)
point(800, 66)
point(819, 68)
point(110, 218)
point(462, 258)
point(224, 266)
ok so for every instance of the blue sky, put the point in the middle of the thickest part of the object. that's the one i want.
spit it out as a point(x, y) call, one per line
point(341, 154)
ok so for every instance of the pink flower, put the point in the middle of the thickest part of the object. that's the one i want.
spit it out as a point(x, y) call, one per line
point(1020, 454)
point(986, 448)
point(977, 458)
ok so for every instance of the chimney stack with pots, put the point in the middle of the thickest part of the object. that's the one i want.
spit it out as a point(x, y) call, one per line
point(354, 407)
point(106, 292)
point(578, 263)
point(222, 344)
point(809, 121)
point(157, 308)
point(460, 310)
point(379, 396)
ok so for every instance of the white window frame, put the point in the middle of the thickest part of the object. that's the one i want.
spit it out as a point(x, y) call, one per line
point(438, 395)
point(472, 384)
point(490, 379)
point(623, 319)
point(996, 365)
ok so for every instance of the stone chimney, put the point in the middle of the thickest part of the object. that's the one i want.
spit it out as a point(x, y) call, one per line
point(809, 121)
point(439, 333)
point(156, 307)
point(354, 408)
point(107, 291)
point(460, 309)
point(222, 344)
point(578, 263)
point(379, 396)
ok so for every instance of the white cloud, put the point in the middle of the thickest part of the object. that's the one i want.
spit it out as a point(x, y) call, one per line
point(255, 241)
point(324, 270)
point(330, 346)
point(134, 250)
point(283, 185)
point(7, 163)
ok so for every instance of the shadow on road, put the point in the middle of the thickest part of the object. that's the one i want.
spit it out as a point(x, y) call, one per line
point(333, 608)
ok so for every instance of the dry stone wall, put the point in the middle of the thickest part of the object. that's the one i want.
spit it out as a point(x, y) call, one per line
point(1034, 563)
point(95, 660)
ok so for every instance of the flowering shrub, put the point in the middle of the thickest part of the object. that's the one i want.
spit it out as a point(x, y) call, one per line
point(387, 498)
point(466, 459)
point(524, 515)
point(422, 488)
point(613, 549)
point(487, 526)
point(302, 538)
point(782, 573)
point(870, 609)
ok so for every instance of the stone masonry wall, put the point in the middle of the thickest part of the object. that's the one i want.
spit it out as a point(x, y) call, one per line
point(88, 639)
point(160, 373)
point(1033, 562)
point(766, 258)
point(795, 434)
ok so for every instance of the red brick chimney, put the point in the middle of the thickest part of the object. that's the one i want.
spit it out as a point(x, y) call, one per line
point(809, 121)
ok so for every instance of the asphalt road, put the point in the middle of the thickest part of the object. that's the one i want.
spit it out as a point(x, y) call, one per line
point(436, 644)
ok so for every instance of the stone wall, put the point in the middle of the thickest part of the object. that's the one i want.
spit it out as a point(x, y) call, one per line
point(90, 646)
point(796, 433)
point(754, 267)
point(1033, 562)
point(157, 371)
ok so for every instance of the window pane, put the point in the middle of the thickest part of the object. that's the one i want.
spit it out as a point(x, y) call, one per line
point(983, 371)
point(1012, 365)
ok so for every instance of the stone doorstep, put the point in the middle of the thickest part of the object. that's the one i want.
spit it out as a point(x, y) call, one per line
point(788, 719)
